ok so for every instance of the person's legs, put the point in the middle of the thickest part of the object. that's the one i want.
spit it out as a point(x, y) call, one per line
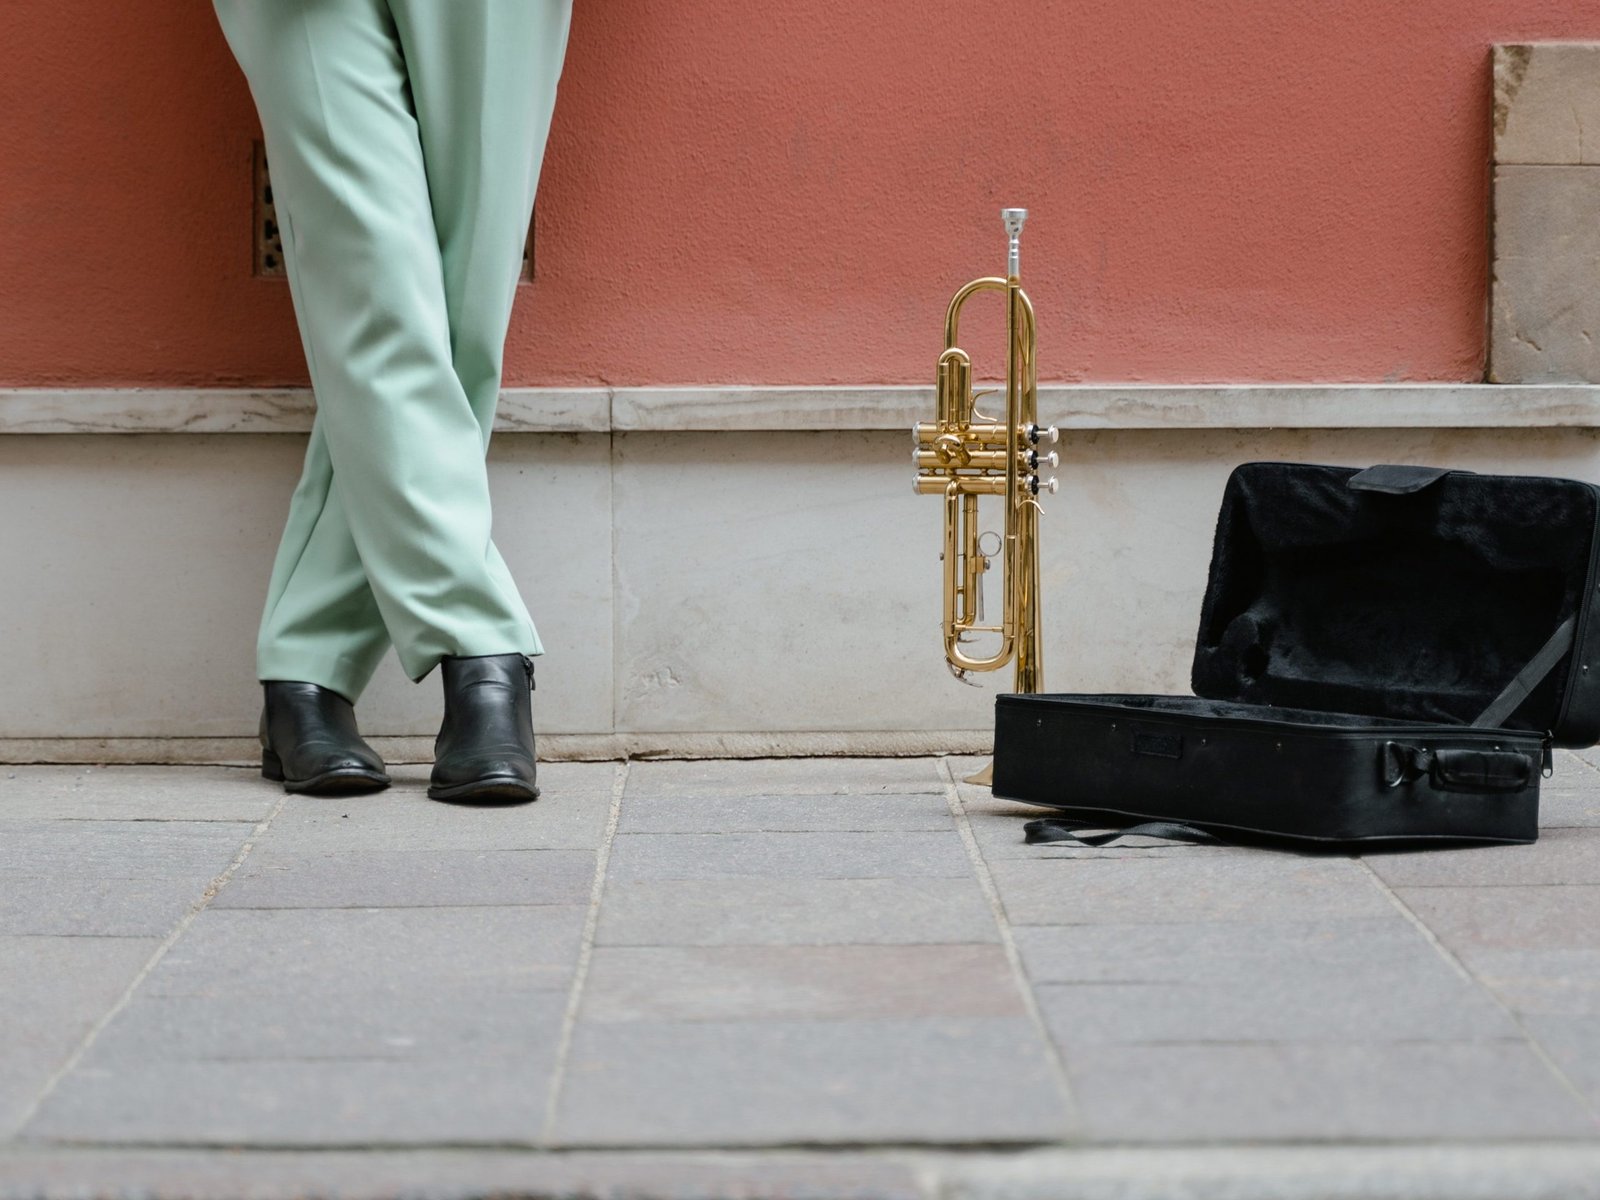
point(394, 485)
point(483, 79)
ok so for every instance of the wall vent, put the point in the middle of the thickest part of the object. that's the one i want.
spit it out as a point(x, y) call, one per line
point(268, 237)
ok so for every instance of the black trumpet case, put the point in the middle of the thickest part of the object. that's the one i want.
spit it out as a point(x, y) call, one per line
point(1386, 654)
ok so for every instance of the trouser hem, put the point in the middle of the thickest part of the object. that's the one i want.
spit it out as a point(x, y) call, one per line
point(344, 676)
point(418, 668)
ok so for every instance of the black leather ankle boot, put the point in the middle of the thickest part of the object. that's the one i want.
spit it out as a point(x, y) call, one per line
point(484, 752)
point(310, 742)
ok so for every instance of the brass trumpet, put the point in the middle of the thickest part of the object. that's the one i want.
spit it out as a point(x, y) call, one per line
point(962, 455)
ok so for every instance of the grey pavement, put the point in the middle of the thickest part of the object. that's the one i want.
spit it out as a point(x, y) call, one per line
point(799, 978)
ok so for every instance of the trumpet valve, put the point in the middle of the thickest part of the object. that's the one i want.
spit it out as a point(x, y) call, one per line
point(951, 450)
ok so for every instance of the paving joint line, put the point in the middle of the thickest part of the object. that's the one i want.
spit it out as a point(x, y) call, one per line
point(218, 882)
point(1499, 1002)
point(1008, 944)
point(591, 923)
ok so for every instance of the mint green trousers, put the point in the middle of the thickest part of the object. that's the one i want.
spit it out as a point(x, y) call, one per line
point(405, 139)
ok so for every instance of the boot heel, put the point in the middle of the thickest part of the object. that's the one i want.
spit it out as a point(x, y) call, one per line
point(271, 766)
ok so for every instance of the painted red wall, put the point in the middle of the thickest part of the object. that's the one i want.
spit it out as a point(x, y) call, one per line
point(1229, 190)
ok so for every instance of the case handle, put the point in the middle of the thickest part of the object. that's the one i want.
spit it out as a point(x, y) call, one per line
point(1479, 771)
point(1396, 480)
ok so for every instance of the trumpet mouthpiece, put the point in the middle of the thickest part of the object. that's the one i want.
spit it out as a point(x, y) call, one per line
point(1013, 218)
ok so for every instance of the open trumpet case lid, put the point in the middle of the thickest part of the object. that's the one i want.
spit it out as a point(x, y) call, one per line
point(1411, 593)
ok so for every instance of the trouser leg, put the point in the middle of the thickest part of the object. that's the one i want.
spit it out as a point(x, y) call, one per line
point(394, 494)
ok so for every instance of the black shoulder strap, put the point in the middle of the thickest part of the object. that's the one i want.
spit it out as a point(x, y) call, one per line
point(1530, 677)
point(1075, 831)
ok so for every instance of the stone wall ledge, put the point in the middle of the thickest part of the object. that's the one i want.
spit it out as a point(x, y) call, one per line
point(836, 408)
point(553, 747)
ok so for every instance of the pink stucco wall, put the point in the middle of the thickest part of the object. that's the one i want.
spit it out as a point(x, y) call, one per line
point(1234, 190)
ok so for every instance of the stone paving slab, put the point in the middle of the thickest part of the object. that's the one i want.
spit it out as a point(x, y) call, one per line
point(1560, 856)
point(572, 816)
point(764, 912)
point(84, 906)
point(1534, 917)
point(1138, 889)
point(349, 1102)
point(878, 855)
point(708, 983)
point(372, 1022)
point(1395, 1091)
point(277, 877)
point(132, 794)
point(1311, 1007)
point(730, 1083)
point(786, 776)
point(821, 813)
point(1221, 952)
point(267, 952)
point(1567, 808)
point(118, 849)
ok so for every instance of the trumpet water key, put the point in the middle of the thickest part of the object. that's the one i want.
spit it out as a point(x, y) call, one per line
point(962, 455)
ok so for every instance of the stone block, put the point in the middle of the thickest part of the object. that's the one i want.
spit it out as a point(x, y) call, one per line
point(727, 1083)
point(654, 856)
point(1424, 1000)
point(1398, 1091)
point(198, 850)
point(274, 952)
point(438, 1023)
point(1535, 917)
point(1210, 952)
point(1560, 856)
point(368, 1102)
point(674, 813)
point(1568, 808)
point(1547, 103)
point(178, 661)
point(1545, 309)
point(131, 793)
point(303, 877)
point(785, 777)
point(719, 983)
point(570, 815)
point(80, 904)
point(1059, 890)
point(715, 912)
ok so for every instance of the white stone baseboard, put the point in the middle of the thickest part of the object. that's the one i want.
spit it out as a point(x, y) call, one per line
point(700, 592)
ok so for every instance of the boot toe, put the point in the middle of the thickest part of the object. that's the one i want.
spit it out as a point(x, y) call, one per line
point(488, 780)
point(338, 769)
